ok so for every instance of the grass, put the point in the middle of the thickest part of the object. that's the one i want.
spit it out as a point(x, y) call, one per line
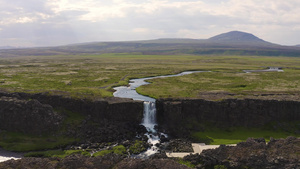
point(96, 75)
point(232, 82)
point(92, 76)
point(120, 149)
point(23, 142)
point(218, 136)
point(186, 163)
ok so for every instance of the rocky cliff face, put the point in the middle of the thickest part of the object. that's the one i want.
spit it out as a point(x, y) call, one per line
point(179, 116)
point(27, 116)
point(33, 113)
point(113, 109)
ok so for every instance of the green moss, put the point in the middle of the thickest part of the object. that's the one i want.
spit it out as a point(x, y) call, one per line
point(186, 163)
point(120, 149)
point(220, 167)
point(137, 147)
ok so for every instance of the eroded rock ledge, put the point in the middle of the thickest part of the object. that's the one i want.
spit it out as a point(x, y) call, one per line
point(179, 116)
point(27, 116)
point(36, 114)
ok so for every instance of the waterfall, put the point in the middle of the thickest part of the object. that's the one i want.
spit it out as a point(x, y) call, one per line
point(149, 120)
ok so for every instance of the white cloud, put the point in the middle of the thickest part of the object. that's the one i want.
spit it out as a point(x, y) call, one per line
point(69, 21)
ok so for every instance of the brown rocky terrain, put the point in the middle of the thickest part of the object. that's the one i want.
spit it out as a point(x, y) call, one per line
point(254, 153)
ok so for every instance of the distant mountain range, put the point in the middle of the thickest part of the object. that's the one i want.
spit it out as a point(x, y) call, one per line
point(7, 47)
point(231, 43)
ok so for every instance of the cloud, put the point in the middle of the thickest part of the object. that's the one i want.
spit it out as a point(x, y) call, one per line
point(55, 22)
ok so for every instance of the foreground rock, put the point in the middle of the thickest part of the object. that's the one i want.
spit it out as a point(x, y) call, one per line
point(254, 153)
point(179, 145)
point(105, 162)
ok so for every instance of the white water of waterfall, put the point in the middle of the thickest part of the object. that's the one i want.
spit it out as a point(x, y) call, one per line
point(149, 121)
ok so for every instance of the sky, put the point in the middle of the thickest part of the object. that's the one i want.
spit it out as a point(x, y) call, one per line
point(29, 23)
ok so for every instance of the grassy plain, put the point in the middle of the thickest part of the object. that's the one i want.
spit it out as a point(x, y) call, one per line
point(96, 75)
point(89, 76)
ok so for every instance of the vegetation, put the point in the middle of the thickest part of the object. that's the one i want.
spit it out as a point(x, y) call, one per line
point(137, 147)
point(120, 149)
point(96, 75)
point(235, 135)
point(23, 142)
point(186, 163)
point(90, 76)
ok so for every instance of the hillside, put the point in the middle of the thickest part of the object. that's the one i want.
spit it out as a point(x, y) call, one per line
point(240, 38)
point(231, 43)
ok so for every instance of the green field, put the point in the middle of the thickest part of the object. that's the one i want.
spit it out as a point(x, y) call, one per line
point(96, 75)
point(92, 76)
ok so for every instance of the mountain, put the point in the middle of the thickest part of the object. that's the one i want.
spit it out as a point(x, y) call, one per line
point(230, 43)
point(7, 47)
point(235, 36)
point(240, 38)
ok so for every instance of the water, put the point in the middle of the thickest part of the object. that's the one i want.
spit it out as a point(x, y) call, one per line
point(270, 69)
point(130, 92)
point(7, 155)
point(149, 120)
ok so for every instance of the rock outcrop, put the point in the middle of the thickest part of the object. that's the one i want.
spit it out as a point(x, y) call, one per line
point(254, 153)
point(114, 109)
point(105, 162)
point(181, 116)
point(103, 120)
point(27, 116)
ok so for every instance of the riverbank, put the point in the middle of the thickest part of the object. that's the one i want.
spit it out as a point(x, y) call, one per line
point(8, 155)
